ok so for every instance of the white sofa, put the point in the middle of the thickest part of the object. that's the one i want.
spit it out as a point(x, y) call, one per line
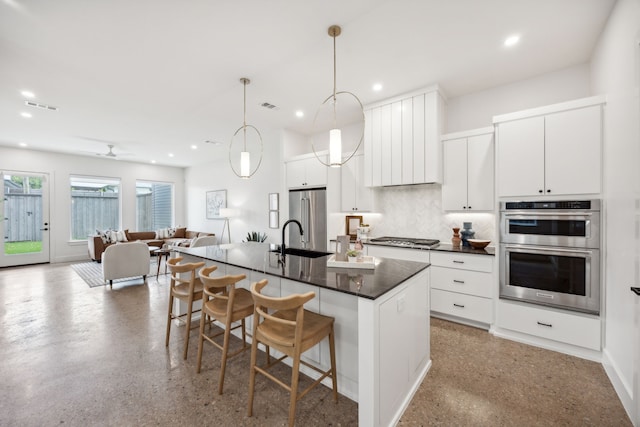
point(204, 241)
point(125, 260)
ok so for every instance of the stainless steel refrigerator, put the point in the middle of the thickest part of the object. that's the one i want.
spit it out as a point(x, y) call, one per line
point(310, 208)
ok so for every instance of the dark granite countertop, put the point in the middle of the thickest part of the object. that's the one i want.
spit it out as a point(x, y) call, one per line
point(365, 283)
point(445, 247)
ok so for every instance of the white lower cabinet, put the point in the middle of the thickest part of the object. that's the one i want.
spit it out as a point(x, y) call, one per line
point(462, 287)
point(577, 329)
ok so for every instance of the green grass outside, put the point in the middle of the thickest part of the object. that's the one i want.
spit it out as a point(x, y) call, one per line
point(16, 248)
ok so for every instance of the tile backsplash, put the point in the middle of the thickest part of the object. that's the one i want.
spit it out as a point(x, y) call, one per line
point(416, 211)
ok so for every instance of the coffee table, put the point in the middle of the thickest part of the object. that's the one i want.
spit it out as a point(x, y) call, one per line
point(159, 253)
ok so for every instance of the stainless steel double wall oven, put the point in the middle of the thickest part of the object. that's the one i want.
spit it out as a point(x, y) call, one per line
point(550, 253)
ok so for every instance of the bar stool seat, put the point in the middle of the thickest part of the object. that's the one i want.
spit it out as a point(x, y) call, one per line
point(292, 330)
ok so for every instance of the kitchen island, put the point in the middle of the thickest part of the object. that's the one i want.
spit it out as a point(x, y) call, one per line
point(381, 319)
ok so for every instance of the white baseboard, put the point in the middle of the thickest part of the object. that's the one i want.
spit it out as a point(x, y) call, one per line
point(623, 389)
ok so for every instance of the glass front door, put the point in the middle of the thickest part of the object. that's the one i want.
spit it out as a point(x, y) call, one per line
point(25, 225)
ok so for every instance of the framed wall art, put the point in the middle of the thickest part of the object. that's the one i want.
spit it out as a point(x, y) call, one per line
point(352, 222)
point(216, 200)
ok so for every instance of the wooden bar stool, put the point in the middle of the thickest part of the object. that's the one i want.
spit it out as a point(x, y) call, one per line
point(188, 290)
point(291, 330)
point(225, 303)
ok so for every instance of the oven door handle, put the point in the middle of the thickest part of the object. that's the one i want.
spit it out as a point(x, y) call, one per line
point(536, 214)
point(548, 249)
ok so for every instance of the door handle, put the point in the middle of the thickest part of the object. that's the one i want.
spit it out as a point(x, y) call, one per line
point(44, 229)
point(635, 290)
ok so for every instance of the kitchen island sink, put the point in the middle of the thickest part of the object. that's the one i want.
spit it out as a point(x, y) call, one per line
point(307, 253)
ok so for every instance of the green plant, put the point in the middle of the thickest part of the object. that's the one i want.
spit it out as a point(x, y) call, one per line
point(352, 253)
point(256, 236)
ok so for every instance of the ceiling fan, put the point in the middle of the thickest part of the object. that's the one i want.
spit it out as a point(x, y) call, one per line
point(109, 153)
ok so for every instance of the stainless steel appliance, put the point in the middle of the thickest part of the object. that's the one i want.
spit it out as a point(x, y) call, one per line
point(550, 253)
point(405, 242)
point(310, 208)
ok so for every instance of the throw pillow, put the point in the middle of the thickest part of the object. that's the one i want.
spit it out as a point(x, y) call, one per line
point(160, 233)
point(105, 236)
point(171, 232)
point(121, 236)
point(180, 233)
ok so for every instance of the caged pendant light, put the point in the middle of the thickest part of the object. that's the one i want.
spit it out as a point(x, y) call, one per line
point(335, 133)
point(245, 157)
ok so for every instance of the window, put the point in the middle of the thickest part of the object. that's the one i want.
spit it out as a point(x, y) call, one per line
point(154, 205)
point(95, 205)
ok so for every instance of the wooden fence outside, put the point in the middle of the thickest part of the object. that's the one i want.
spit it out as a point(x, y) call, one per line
point(89, 212)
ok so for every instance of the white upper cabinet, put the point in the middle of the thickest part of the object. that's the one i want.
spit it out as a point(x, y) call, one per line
point(402, 140)
point(554, 150)
point(306, 172)
point(355, 196)
point(468, 171)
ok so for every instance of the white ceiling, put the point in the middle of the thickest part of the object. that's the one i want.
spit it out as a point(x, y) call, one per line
point(156, 76)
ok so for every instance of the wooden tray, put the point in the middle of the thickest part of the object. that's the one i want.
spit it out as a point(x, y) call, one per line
point(367, 262)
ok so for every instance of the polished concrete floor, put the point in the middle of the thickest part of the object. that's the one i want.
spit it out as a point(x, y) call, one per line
point(76, 356)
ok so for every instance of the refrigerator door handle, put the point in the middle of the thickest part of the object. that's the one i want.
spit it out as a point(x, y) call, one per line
point(305, 210)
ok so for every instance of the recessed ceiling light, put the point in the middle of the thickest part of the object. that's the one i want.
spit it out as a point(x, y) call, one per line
point(170, 154)
point(22, 144)
point(153, 161)
point(28, 94)
point(299, 113)
point(26, 115)
point(512, 40)
point(194, 147)
point(377, 87)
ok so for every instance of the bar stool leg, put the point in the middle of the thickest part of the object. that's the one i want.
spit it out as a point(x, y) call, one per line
point(166, 343)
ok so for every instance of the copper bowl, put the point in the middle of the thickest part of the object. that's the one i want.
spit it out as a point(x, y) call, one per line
point(478, 243)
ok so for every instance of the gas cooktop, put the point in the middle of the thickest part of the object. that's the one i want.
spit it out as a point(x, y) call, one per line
point(405, 241)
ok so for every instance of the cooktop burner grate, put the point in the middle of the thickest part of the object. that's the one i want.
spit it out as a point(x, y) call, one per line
point(405, 241)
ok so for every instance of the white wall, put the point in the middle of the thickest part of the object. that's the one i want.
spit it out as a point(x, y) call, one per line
point(615, 72)
point(249, 197)
point(476, 110)
point(60, 167)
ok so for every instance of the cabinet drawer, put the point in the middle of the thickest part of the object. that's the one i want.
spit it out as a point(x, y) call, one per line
point(462, 261)
point(462, 281)
point(569, 328)
point(461, 305)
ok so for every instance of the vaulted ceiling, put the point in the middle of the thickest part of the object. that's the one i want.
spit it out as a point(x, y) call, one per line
point(155, 77)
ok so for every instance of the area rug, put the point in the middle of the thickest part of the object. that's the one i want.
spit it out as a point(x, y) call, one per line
point(91, 272)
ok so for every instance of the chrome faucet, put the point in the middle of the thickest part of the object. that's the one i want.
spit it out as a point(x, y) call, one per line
point(282, 247)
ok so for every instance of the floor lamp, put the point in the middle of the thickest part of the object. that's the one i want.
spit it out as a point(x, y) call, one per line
point(226, 213)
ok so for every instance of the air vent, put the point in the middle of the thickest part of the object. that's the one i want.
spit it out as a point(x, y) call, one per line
point(43, 106)
point(269, 106)
point(212, 142)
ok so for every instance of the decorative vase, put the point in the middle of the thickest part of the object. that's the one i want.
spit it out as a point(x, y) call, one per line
point(466, 233)
point(455, 240)
point(352, 258)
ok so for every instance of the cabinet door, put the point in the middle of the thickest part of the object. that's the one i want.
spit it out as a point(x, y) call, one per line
point(316, 172)
point(573, 151)
point(368, 173)
point(295, 173)
point(385, 143)
point(407, 141)
point(348, 176)
point(396, 143)
point(521, 157)
point(418, 139)
point(480, 172)
point(363, 195)
point(376, 148)
point(454, 186)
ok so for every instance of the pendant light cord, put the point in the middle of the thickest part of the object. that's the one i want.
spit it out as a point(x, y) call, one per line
point(335, 114)
point(244, 114)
